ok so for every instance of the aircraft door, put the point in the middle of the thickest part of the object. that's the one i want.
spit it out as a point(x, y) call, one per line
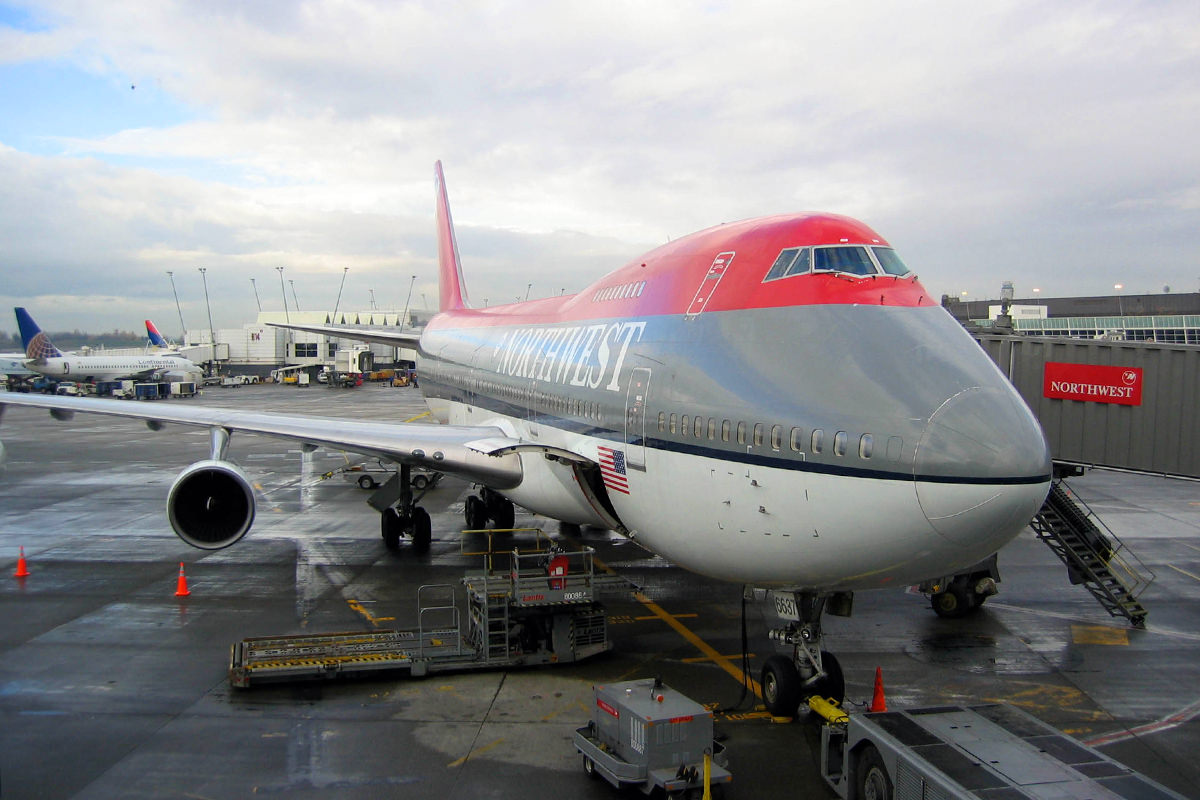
point(635, 418)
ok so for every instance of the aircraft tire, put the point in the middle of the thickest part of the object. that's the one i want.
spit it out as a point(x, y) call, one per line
point(476, 513)
point(505, 515)
point(420, 482)
point(422, 530)
point(390, 526)
point(780, 686)
point(954, 603)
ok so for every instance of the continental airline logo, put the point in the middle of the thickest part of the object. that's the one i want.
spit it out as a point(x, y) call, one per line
point(1092, 382)
point(579, 355)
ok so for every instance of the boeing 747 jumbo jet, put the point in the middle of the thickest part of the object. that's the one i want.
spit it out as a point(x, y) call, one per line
point(776, 402)
point(42, 356)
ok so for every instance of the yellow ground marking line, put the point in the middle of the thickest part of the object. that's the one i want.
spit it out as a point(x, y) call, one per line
point(418, 416)
point(676, 616)
point(1192, 546)
point(704, 647)
point(479, 751)
point(1099, 634)
point(701, 645)
point(367, 615)
point(699, 659)
point(1191, 575)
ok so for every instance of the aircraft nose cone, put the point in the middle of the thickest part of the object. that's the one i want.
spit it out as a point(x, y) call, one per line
point(982, 467)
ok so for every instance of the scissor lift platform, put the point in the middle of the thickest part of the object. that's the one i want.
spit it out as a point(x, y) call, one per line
point(543, 610)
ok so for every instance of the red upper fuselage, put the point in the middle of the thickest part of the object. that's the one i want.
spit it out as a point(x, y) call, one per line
point(719, 269)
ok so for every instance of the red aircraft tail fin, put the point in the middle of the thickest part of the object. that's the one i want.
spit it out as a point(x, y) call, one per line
point(453, 294)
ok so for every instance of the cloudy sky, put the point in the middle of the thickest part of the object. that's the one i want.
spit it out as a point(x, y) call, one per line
point(1054, 144)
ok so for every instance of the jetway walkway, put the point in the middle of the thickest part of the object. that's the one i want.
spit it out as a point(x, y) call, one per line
point(1129, 406)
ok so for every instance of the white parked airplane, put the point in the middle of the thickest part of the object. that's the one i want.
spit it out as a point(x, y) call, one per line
point(776, 402)
point(42, 356)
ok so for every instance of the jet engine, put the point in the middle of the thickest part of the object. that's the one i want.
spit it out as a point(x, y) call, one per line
point(211, 505)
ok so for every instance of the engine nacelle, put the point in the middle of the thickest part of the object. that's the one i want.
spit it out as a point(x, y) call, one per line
point(211, 505)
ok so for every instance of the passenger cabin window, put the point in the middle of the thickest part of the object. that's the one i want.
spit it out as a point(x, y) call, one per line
point(776, 437)
point(866, 445)
point(674, 422)
point(818, 440)
point(741, 433)
point(712, 428)
point(792, 261)
point(699, 430)
point(890, 262)
point(684, 425)
point(758, 434)
point(662, 420)
point(797, 441)
point(853, 260)
point(725, 430)
point(839, 443)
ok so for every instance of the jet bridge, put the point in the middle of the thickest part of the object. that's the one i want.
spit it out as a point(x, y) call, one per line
point(1129, 406)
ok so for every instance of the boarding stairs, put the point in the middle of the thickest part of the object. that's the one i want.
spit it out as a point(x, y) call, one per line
point(1093, 555)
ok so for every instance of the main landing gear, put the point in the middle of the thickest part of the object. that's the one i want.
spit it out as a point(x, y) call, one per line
point(489, 505)
point(789, 680)
point(406, 518)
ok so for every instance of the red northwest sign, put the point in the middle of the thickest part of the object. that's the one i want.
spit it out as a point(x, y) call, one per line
point(1094, 383)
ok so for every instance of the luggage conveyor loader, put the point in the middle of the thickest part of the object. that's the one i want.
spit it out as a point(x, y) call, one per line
point(542, 610)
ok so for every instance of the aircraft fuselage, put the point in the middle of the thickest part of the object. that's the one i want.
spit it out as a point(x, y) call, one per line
point(821, 429)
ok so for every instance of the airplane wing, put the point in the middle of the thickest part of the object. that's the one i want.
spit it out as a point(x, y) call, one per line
point(407, 338)
point(477, 453)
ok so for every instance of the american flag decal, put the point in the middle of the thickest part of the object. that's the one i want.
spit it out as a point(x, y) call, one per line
point(612, 469)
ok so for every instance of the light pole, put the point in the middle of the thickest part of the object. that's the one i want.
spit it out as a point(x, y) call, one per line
point(287, 317)
point(182, 327)
point(212, 337)
point(254, 286)
point(1120, 303)
point(292, 283)
point(410, 288)
point(339, 297)
point(527, 288)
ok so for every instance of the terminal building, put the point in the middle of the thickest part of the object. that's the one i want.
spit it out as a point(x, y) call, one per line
point(257, 348)
point(1167, 318)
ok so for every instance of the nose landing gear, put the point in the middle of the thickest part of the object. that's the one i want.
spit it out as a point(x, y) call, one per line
point(789, 680)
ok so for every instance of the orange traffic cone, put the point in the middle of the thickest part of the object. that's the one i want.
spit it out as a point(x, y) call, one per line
point(22, 567)
point(878, 702)
point(181, 589)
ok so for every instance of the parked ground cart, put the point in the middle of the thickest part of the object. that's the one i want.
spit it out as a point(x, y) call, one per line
point(645, 734)
point(993, 751)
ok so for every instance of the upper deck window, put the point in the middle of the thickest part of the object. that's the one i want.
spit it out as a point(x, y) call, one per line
point(890, 262)
point(792, 261)
point(852, 259)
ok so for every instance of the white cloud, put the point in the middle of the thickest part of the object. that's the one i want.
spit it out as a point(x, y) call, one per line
point(1026, 140)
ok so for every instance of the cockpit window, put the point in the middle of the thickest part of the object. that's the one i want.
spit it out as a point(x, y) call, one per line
point(890, 262)
point(792, 261)
point(853, 260)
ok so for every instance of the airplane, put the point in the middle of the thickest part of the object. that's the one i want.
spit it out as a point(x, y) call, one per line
point(42, 356)
point(776, 402)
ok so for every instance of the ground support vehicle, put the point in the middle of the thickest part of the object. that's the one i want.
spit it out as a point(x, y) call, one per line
point(146, 391)
point(540, 608)
point(372, 474)
point(645, 734)
point(984, 751)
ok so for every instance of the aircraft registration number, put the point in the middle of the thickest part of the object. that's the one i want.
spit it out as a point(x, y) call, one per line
point(785, 606)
